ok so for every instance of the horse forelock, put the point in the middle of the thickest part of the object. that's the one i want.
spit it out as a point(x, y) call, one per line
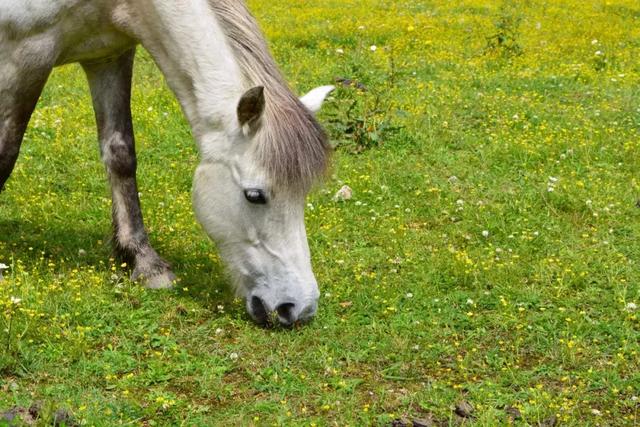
point(291, 145)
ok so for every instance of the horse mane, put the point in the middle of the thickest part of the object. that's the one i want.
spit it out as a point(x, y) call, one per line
point(291, 145)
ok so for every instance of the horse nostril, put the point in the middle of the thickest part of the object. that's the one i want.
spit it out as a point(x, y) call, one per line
point(286, 313)
point(258, 310)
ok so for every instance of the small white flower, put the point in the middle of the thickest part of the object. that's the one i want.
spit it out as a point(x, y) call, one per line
point(594, 42)
point(409, 295)
point(340, 51)
point(373, 48)
point(632, 306)
point(485, 233)
point(553, 179)
point(459, 202)
point(233, 356)
point(416, 347)
point(599, 53)
point(596, 412)
point(2, 268)
point(469, 301)
point(219, 331)
point(15, 300)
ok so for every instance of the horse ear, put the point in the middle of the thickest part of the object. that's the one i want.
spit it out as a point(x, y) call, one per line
point(251, 107)
point(314, 99)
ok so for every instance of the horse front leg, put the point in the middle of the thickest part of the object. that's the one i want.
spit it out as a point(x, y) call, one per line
point(110, 85)
point(21, 82)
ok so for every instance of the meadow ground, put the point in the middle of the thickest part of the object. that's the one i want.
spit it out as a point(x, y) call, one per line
point(490, 253)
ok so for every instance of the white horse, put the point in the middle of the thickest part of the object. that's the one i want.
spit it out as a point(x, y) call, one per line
point(261, 148)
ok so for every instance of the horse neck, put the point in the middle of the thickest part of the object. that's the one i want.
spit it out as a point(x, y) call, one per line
point(192, 51)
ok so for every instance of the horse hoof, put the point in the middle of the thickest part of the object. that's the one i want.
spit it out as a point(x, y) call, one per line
point(162, 280)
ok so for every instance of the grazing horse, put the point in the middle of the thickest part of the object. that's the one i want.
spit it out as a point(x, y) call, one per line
point(261, 148)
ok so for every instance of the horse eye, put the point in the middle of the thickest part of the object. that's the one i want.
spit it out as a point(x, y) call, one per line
point(255, 196)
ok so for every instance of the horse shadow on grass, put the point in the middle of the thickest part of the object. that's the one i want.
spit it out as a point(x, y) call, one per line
point(84, 245)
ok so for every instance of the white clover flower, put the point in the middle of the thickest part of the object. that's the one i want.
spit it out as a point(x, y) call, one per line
point(15, 300)
point(485, 233)
point(632, 306)
point(2, 268)
point(373, 48)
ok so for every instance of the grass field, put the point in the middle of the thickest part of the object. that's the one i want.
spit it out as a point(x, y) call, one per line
point(490, 253)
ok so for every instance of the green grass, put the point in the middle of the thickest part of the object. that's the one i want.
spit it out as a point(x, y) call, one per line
point(454, 274)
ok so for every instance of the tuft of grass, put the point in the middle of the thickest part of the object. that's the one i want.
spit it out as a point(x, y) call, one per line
point(505, 38)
